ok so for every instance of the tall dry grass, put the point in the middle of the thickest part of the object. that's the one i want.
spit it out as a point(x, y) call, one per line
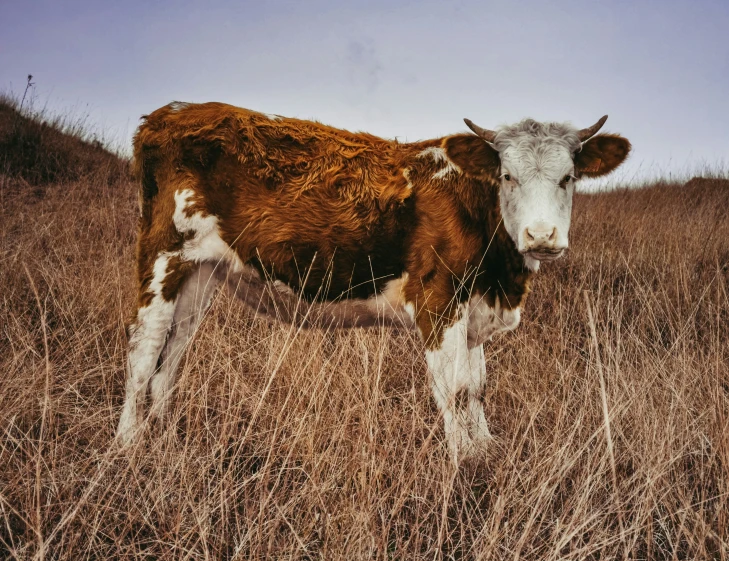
point(290, 444)
point(39, 147)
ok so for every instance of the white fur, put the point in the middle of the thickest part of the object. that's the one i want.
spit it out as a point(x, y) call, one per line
point(206, 244)
point(536, 157)
point(176, 106)
point(147, 338)
point(190, 306)
point(435, 152)
point(439, 155)
point(533, 198)
point(406, 175)
point(409, 309)
point(455, 368)
point(531, 263)
point(458, 365)
point(153, 323)
point(390, 303)
point(485, 321)
point(448, 169)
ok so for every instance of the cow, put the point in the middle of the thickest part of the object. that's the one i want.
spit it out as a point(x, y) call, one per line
point(320, 226)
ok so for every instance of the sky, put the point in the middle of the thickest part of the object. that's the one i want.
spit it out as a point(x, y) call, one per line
point(405, 69)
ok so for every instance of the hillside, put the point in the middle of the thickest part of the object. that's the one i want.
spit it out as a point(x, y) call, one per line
point(39, 149)
point(327, 445)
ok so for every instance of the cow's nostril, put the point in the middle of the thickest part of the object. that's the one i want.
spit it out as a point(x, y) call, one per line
point(539, 236)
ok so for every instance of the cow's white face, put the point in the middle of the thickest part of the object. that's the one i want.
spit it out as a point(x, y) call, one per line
point(537, 165)
point(536, 197)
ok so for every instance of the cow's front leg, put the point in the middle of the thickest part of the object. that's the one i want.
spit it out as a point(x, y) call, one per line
point(458, 376)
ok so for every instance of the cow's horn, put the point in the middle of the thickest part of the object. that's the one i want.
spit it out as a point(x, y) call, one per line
point(486, 134)
point(589, 132)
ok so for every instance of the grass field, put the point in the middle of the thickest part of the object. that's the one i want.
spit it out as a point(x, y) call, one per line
point(290, 444)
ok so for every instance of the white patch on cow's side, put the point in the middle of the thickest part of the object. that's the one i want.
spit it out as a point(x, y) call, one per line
point(273, 117)
point(406, 175)
point(147, 338)
point(435, 152)
point(450, 168)
point(458, 375)
point(439, 155)
point(206, 243)
point(177, 106)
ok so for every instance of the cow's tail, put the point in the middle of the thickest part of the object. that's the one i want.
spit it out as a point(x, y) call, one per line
point(146, 163)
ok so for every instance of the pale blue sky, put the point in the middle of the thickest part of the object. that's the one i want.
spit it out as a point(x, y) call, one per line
point(409, 69)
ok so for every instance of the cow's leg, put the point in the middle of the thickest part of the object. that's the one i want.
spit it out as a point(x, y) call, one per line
point(192, 302)
point(479, 428)
point(458, 374)
point(147, 336)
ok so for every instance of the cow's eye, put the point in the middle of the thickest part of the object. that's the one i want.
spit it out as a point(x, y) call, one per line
point(507, 177)
point(565, 181)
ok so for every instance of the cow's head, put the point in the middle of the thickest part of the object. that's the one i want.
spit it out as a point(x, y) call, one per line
point(538, 164)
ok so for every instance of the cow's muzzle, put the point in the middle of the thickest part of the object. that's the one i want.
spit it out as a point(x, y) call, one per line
point(540, 242)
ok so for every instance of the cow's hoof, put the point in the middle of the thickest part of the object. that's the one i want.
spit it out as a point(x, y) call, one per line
point(481, 435)
point(469, 444)
point(461, 446)
point(127, 433)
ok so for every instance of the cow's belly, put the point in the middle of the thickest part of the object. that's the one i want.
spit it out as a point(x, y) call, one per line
point(276, 300)
point(485, 321)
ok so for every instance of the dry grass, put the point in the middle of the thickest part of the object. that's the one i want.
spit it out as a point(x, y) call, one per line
point(304, 445)
point(38, 148)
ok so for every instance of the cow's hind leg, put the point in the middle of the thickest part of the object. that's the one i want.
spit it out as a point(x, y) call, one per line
point(192, 302)
point(147, 336)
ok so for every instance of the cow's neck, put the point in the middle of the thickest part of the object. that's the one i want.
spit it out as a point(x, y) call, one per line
point(475, 244)
point(502, 271)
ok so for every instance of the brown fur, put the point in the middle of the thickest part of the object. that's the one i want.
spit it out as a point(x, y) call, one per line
point(331, 213)
point(601, 154)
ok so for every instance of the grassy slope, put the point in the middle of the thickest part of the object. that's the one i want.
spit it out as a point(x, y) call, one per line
point(310, 445)
point(39, 148)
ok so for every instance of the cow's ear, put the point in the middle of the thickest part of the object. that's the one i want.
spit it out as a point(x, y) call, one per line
point(473, 155)
point(601, 155)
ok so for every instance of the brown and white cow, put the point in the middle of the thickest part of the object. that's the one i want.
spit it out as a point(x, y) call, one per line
point(441, 235)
